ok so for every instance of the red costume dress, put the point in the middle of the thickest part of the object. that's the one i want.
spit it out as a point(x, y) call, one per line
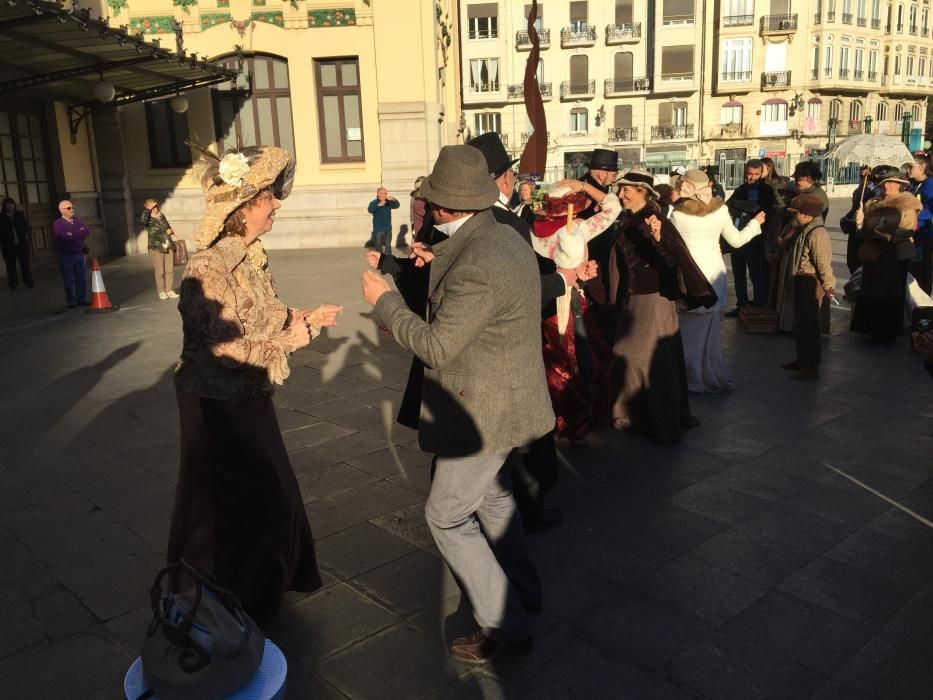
point(576, 357)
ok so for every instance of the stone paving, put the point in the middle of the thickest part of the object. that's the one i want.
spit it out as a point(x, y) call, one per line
point(735, 565)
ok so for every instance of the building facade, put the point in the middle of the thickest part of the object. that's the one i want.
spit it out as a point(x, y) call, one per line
point(363, 92)
point(682, 82)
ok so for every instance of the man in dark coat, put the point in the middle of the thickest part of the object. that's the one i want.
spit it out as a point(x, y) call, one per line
point(15, 243)
point(750, 198)
point(603, 170)
point(535, 472)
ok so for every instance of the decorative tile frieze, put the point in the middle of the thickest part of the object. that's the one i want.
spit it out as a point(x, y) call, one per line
point(337, 17)
point(158, 24)
point(269, 17)
point(212, 19)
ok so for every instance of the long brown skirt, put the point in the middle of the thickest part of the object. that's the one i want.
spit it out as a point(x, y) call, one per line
point(238, 510)
point(650, 370)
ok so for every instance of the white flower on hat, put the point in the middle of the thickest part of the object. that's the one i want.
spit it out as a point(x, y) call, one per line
point(233, 168)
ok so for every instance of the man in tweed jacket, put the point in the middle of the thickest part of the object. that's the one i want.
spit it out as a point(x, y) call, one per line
point(484, 394)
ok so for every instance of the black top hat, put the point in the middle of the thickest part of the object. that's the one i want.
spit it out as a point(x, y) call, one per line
point(808, 168)
point(497, 158)
point(604, 159)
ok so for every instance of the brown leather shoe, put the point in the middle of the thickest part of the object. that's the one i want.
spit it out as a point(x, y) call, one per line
point(478, 648)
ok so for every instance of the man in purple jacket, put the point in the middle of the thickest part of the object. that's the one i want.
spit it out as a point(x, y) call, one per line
point(70, 232)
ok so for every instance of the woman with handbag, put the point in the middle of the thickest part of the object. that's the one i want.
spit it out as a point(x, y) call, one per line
point(238, 511)
point(887, 224)
point(161, 243)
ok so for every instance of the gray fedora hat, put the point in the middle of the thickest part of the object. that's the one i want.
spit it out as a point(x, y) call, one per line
point(460, 180)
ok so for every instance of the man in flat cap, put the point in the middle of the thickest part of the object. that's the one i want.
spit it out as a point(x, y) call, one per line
point(484, 394)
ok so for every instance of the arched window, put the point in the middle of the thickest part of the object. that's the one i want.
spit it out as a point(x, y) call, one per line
point(261, 117)
point(814, 104)
point(579, 75)
point(881, 113)
point(731, 113)
point(855, 111)
point(623, 68)
point(835, 109)
point(915, 113)
point(578, 120)
point(898, 112)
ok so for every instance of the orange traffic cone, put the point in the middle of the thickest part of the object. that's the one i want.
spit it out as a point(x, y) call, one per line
point(99, 300)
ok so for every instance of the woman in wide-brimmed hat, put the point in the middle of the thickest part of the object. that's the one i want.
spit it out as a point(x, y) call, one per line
point(238, 511)
point(651, 272)
point(887, 224)
point(804, 285)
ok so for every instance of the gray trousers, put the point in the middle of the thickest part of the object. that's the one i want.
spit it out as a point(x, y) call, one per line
point(475, 524)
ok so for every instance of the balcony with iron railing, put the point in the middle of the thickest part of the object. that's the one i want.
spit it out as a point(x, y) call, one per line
point(674, 20)
point(778, 24)
point(578, 35)
point(672, 132)
point(843, 74)
point(875, 23)
point(816, 18)
point(623, 33)
point(814, 74)
point(526, 136)
point(516, 91)
point(577, 91)
point(830, 16)
point(858, 74)
point(739, 20)
point(619, 134)
point(613, 88)
point(742, 76)
point(775, 80)
point(484, 34)
point(484, 88)
point(523, 41)
point(847, 18)
point(872, 75)
point(913, 29)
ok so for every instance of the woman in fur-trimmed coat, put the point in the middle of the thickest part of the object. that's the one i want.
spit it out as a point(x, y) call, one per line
point(701, 220)
point(887, 227)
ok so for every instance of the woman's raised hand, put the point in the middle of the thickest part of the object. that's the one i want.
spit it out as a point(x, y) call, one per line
point(760, 217)
point(372, 258)
point(654, 227)
point(324, 315)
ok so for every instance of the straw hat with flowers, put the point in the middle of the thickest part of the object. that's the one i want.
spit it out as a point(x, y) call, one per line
point(234, 179)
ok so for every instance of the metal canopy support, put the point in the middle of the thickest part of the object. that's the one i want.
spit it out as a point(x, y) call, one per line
point(166, 83)
point(41, 78)
point(78, 112)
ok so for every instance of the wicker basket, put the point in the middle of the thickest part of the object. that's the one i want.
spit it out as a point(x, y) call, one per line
point(757, 319)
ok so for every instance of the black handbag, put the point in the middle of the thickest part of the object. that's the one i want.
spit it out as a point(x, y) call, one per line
point(201, 644)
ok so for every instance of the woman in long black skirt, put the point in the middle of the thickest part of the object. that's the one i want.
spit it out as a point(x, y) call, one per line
point(238, 511)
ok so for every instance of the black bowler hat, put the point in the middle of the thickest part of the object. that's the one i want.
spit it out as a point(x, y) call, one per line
point(604, 159)
point(497, 158)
